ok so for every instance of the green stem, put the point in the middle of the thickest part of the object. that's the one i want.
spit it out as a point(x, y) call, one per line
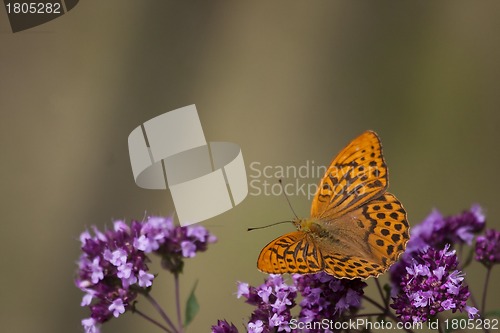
point(148, 318)
point(161, 312)
point(178, 302)
point(439, 321)
point(483, 302)
point(440, 328)
point(381, 292)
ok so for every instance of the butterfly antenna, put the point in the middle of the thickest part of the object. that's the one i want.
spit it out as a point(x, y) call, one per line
point(286, 197)
point(270, 225)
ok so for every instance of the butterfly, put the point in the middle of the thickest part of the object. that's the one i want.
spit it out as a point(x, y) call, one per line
point(356, 228)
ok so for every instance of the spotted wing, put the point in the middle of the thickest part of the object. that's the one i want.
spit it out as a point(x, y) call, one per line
point(366, 241)
point(294, 252)
point(357, 175)
point(351, 267)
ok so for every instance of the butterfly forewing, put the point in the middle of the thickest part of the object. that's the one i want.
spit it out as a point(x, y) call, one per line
point(357, 175)
point(294, 252)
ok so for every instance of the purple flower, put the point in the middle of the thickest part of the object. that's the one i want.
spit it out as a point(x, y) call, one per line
point(107, 268)
point(463, 226)
point(145, 279)
point(448, 304)
point(257, 327)
point(198, 233)
point(423, 234)
point(153, 233)
point(243, 290)
point(87, 298)
point(117, 307)
point(90, 325)
point(188, 249)
point(113, 270)
point(472, 311)
point(224, 327)
point(96, 271)
point(172, 243)
point(117, 258)
point(326, 297)
point(436, 231)
point(273, 300)
point(432, 284)
point(124, 271)
point(488, 248)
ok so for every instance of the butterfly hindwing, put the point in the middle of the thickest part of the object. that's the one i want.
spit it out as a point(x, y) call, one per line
point(294, 252)
point(351, 267)
point(387, 228)
point(357, 175)
point(366, 241)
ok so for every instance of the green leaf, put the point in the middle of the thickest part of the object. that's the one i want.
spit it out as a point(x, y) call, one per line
point(387, 297)
point(192, 306)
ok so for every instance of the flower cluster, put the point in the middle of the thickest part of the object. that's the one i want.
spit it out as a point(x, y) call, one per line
point(323, 297)
point(273, 299)
point(436, 231)
point(224, 327)
point(112, 269)
point(326, 297)
point(172, 243)
point(431, 285)
point(488, 248)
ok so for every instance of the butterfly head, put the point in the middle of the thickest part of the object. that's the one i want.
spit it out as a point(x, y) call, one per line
point(304, 225)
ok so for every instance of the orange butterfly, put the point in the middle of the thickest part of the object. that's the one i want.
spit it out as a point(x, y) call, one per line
point(356, 228)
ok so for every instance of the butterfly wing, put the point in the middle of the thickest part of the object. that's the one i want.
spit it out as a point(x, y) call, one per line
point(294, 252)
point(366, 241)
point(355, 229)
point(355, 176)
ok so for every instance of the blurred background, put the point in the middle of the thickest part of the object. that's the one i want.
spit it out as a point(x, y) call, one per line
point(289, 82)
